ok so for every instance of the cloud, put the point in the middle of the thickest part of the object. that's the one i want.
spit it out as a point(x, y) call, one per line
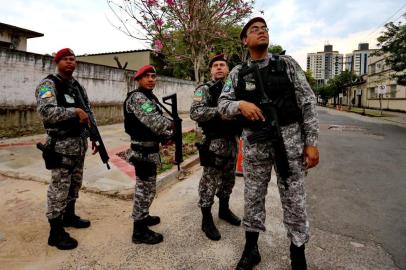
point(303, 27)
point(343, 45)
point(80, 25)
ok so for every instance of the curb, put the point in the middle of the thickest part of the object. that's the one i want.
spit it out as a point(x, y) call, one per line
point(164, 180)
point(168, 178)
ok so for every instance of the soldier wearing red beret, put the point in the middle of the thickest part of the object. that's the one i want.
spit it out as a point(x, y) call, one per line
point(147, 126)
point(66, 124)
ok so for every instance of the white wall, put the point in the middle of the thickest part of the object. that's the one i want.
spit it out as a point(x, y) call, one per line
point(20, 73)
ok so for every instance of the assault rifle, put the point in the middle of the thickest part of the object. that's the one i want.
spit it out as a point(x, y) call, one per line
point(271, 130)
point(177, 136)
point(93, 130)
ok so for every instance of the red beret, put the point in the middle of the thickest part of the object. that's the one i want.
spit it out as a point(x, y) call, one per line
point(143, 70)
point(243, 33)
point(218, 57)
point(62, 53)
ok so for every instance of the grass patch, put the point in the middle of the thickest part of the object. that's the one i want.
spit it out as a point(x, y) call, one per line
point(368, 112)
point(168, 151)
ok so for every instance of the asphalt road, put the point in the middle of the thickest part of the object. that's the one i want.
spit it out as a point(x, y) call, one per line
point(358, 190)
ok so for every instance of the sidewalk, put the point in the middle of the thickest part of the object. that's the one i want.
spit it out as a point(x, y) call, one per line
point(397, 118)
point(19, 158)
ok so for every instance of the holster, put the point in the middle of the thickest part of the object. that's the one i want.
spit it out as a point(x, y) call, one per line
point(209, 158)
point(53, 160)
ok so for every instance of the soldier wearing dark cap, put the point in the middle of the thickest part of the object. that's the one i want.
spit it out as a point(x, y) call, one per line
point(66, 124)
point(280, 130)
point(218, 150)
point(147, 126)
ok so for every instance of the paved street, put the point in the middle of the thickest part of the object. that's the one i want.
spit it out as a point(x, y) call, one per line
point(356, 209)
point(358, 189)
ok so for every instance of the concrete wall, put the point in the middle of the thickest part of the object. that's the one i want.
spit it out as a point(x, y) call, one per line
point(107, 87)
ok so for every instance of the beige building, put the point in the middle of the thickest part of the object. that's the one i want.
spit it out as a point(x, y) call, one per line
point(380, 78)
point(377, 86)
point(13, 37)
point(134, 59)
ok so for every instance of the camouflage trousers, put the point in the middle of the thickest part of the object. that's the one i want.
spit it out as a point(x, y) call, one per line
point(218, 182)
point(145, 189)
point(257, 166)
point(65, 185)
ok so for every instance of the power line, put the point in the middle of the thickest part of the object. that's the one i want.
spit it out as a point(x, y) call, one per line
point(376, 29)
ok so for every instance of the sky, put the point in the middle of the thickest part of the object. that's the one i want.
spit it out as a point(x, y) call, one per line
point(300, 27)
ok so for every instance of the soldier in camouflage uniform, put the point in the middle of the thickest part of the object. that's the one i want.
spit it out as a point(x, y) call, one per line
point(66, 125)
point(218, 151)
point(291, 95)
point(147, 127)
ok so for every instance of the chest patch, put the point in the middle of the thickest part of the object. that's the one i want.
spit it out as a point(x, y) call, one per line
point(69, 99)
point(250, 86)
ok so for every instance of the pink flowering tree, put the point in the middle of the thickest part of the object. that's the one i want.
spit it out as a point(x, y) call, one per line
point(181, 30)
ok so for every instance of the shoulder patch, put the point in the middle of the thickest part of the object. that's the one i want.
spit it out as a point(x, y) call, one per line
point(147, 107)
point(227, 86)
point(198, 93)
point(45, 91)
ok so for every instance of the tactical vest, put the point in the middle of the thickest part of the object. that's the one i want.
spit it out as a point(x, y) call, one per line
point(278, 87)
point(66, 95)
point(134, 127)
point(218, 128)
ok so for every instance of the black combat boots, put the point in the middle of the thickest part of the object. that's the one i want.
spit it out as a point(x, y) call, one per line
point(226, 214)
point(152, 220)
point(58, 237)
point(208, 225)
point(72, 220)
point(142, 234)
point(250, 256)
point(297, 257)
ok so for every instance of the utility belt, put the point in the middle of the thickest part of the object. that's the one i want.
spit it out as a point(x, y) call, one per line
point(213, 136)
point(145, 147)
point(262, 133)
point(63, 134)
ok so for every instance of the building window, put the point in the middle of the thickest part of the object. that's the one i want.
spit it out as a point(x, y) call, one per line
point(371, 92)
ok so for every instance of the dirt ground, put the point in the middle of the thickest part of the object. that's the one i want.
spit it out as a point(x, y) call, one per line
point(107, 243)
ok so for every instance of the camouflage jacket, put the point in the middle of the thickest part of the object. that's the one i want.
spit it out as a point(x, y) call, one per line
point(306, 100)
point(147, 112)
point(51, 113)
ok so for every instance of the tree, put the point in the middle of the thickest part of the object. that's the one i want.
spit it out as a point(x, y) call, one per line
point(182, 30)
point(393, 43)
point(276, 49)
point(340, 82)
point(310, 79)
